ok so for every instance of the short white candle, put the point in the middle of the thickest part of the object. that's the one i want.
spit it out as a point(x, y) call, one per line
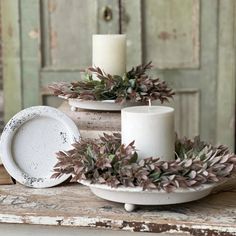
point(109, 53)
point(152, 128)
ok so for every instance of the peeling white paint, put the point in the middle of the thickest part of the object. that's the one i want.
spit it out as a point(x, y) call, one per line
point(34, 34)
point(75, 205)
point(203, 227)
point(114, 224)
point(145, 228)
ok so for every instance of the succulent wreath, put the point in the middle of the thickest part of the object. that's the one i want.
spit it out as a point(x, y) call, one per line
point(107, 161)
point(135, 85)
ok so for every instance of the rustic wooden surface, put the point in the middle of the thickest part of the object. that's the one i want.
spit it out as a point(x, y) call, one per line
point(5, 178)
point(75, 205)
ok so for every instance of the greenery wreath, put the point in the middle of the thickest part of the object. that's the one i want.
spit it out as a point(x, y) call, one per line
point(135, 85)
point(107, 161)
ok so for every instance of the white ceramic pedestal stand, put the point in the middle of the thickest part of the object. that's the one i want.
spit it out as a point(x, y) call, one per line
point(132, 196)
point(105, 105)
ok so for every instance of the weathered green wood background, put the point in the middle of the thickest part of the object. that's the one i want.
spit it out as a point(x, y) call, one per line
point(191, 43)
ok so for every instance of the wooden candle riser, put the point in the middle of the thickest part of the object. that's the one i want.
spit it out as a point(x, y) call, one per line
point(93, 120)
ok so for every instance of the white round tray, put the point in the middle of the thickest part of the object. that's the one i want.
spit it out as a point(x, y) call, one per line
point(105, 105)
point(132, 196)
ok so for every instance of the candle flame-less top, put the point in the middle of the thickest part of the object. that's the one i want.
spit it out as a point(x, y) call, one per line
point(149, 110)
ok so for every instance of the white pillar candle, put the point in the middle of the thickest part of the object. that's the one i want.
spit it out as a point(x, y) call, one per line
point(152, 128)
point(109, 53)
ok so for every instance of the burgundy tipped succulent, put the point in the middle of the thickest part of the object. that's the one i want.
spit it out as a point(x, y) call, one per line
point(107, 161)
point(135, 85)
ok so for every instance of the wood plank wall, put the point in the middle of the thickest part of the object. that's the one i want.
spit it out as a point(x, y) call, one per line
point(1, 81)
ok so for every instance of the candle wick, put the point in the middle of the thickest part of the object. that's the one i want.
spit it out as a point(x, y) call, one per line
point(150, 102)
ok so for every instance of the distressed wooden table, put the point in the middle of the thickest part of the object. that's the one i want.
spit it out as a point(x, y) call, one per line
point(46, 211)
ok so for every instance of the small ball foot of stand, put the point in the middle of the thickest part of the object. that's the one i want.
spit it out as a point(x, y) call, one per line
point(129, 207)
point(73, 108)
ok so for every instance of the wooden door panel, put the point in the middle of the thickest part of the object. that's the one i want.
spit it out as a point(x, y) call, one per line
point(131, 21)
point(185, 55)
point(12, 59)
point(171, 33)
point(186, 103)
point(31, 55)
point(187, 112)
point(191, 43)
point(67, 27)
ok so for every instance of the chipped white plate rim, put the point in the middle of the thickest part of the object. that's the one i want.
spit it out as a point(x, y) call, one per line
point(31, 122)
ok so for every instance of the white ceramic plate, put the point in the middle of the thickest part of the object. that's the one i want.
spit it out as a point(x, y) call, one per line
point(29, 143)
point(136, 195)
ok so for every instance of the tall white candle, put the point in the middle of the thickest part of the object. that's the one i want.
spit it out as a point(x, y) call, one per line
point(152, 128)
point(109, 53)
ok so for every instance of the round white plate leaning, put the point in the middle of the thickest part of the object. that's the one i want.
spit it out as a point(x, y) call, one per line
point(29, 143)
point(132, 196)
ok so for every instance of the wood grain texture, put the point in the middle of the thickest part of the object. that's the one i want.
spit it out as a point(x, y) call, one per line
point(49, 76)
point(216, 44)
point(226, 74)
point(113, 25)
point(74, 205)
point(171, 33)
point(131, 25)
point(5, 178)
point(12, 57)
point(1, 79)
point(44, 230)
point(186, 103)
point(67, 28)
point(1, 111)
point(187, 112)
point(31, 54)
point(203, 79)
point(93, 120)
